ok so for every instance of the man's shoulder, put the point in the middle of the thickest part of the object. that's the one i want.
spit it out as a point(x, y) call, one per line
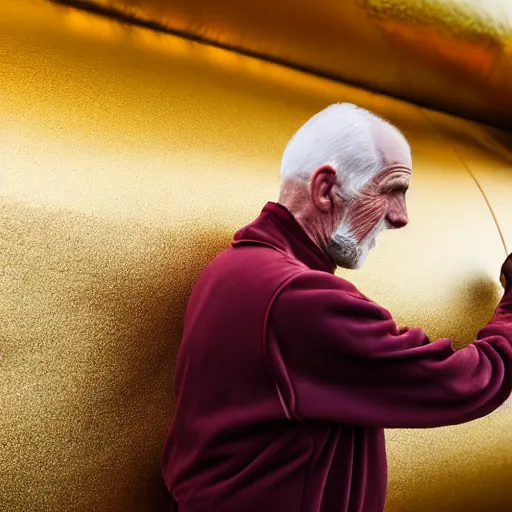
point(250, 266)
point(257, 255)
point(313, 298)
point(318, 280)
point(259, 259)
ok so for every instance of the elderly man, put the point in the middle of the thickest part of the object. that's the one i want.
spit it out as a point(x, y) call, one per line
point(286, 374)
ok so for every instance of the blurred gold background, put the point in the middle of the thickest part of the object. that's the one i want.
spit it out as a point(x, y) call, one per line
point(453, 55)
point(128, 159)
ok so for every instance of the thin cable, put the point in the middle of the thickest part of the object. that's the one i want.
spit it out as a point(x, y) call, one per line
point(472, 176)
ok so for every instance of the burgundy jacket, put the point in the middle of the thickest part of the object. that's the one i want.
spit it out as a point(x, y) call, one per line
point(287, 375)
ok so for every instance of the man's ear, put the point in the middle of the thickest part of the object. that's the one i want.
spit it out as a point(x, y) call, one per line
point(322, 188)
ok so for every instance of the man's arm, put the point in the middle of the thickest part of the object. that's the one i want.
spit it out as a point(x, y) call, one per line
point(336, 356)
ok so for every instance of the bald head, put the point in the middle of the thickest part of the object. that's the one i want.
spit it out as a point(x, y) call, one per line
point(354, 142)
point(344, 175)
point(390, 142)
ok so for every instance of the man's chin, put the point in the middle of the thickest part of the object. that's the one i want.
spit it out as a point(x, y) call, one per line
point(353, 263)
point(357, 265)
point(349, 265)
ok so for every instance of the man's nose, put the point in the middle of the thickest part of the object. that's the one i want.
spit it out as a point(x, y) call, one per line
point(398, 221)
point(397, 214)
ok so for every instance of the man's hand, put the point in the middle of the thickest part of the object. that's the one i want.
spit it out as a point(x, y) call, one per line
point(506, 273)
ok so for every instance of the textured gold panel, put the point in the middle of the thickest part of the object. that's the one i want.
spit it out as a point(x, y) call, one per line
point(128, 158)
point(454, 55)
point(487, 154)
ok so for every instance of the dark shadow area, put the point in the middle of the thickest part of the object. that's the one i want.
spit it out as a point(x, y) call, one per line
point(88, 359)
point(477, 302)
point(455, 488)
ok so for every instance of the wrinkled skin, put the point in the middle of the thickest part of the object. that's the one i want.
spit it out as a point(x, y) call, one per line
point(380, 205)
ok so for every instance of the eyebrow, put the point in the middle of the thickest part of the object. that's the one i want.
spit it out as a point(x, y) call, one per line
point(395, 182)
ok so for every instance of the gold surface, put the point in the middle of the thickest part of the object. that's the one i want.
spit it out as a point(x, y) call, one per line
point(487, 154)
point(453, 55)
point(128, 159)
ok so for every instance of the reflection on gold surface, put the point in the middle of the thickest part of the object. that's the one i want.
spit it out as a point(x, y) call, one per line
point(487, 154)
point(454, 55)
point(128, 158)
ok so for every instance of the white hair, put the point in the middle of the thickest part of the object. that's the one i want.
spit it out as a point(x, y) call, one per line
point(340, 136)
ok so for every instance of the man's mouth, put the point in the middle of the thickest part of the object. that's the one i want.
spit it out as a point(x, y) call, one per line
point(382, 227)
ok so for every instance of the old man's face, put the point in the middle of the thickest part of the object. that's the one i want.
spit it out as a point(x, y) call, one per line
point(378, 206)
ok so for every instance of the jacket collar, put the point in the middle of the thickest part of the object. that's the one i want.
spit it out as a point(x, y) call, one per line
point(278, 228)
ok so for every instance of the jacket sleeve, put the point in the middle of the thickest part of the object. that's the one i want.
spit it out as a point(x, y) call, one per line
point(337, 356)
